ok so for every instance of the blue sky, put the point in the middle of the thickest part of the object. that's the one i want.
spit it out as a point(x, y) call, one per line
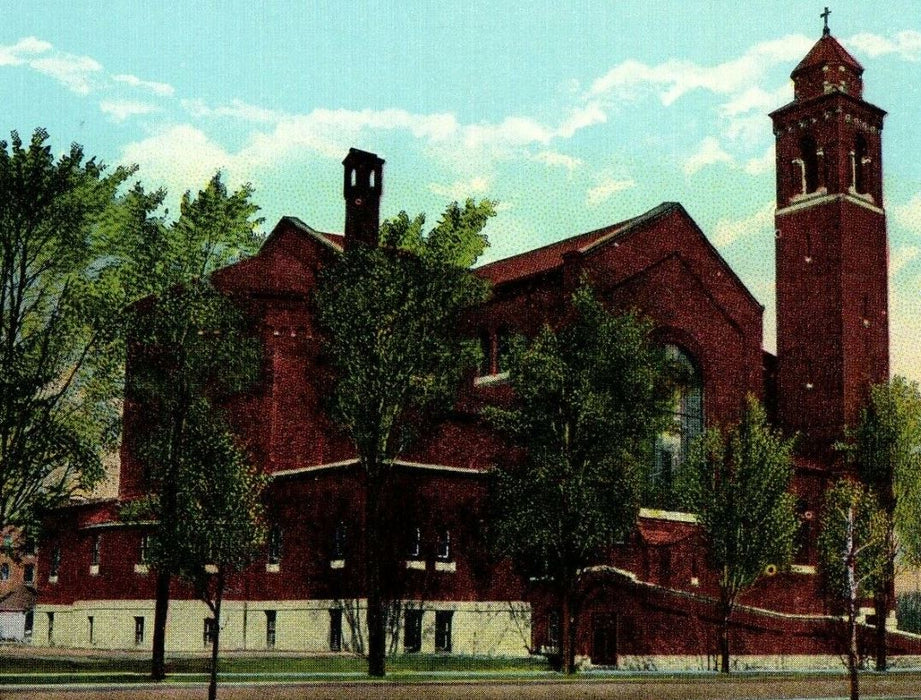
point(572, 115)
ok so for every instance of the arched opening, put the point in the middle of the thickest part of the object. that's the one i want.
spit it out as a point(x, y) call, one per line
point(371, 179)
point(354, 177)
point(810, 158)
point(673, 445)
point(860, 164)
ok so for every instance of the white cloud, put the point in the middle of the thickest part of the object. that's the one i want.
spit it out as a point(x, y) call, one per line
point(161, 89)
point(19, 53)
point(460, 190)
point(672, 79)
point(237, 109)
point(606, 189)
point(728, 231)
point(558, 160)
point(509, 133)
point(907, 44)
point(901, 257)
point(588, 115)
point(764, 164)
point(708, 152)
point(905, 329)
point(753, 98)
point(74, 72)
point(119, 110)
point(908, 215)
point(181, 158)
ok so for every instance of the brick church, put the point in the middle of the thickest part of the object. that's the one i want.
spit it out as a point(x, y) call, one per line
point(649, 597)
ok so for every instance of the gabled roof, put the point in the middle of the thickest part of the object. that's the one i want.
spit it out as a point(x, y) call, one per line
point(827, 51)
point(551, 256)
point(333, 240)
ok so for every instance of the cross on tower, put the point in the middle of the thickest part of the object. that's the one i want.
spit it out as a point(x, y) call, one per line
point(825, 31)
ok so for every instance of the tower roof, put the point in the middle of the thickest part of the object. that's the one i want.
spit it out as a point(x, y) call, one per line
point(827, 51)
point(828, 67)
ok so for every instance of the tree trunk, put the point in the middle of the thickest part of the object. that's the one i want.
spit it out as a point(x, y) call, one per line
point(215, 638)
point(158, 657)
point(880, 605)
point(724, 644)
point(853, 654)
point(850, 567)
point(725, 615)
point(377, 630)
point(567, 655)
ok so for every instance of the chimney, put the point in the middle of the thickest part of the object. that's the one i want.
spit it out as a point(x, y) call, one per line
point(362, 187)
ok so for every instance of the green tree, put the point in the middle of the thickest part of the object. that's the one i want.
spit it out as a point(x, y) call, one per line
point(219, 525)
point(56, 419)
point(854, 547)
point(589, 398)
point(391, 317)
point(885, 449)
point(738, 484)
point(189, 342)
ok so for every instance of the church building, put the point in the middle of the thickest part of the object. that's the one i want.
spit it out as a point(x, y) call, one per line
point(652, 596)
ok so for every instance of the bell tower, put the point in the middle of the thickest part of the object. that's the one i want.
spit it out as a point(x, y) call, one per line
point(831, 249)
point(362, 186)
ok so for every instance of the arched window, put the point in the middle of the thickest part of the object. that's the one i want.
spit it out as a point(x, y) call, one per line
point(274, 545)
point(672, 445)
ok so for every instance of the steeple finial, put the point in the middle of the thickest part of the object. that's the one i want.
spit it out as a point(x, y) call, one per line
point(825, 30)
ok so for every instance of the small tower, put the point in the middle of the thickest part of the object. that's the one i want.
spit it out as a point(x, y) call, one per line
point(831, 249)
point(362, 187)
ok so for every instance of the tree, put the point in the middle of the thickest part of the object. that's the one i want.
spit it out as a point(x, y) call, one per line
point(219, 525)
point(589, 398)
point(885, 449)
point(738, 485)
point(56, 421)
point(391, 327)
point(189, 342)
point(853, 551)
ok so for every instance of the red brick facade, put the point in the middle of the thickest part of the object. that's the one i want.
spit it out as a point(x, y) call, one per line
point(833, 342)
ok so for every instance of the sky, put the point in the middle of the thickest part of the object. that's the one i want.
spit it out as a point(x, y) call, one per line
point(573, 116)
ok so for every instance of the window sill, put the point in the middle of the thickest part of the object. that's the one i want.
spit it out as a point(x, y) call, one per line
point(866, 196)
point(803, 196)
point(488, 379)
point(52, 579)
point(140, 568)
point(337, 563)
point(272, 568)
point(94, 569)
point(447, 566)
point(415, 564)
point(806, 569)
point(672, 515)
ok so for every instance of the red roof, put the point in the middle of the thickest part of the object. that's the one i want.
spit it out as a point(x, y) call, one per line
point(827, 51)
point(336, 239)
point(548, 257)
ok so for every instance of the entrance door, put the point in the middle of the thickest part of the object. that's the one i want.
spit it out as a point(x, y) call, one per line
point(604, 639)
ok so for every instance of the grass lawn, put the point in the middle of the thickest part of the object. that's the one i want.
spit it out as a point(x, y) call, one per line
point(101, 668)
